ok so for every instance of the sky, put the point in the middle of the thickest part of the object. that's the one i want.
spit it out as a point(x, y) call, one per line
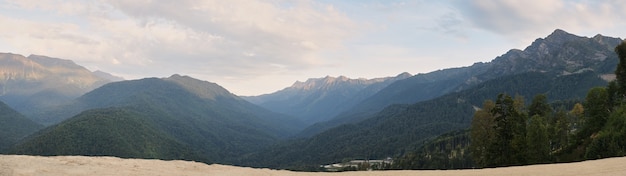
point(253, 47)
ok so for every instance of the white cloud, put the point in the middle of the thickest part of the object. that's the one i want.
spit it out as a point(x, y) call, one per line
point(152, 38)
point(526, 20)
point(248, 43)
point(261, 27)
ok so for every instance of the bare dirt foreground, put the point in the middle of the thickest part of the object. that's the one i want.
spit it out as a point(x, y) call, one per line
point(79, 165)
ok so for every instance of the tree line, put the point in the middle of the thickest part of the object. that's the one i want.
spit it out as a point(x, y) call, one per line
point(506, 132)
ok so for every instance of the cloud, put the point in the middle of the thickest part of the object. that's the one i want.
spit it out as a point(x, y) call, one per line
point(528, 19)
point(249, 43)
point(274, 33)
point(195, 36)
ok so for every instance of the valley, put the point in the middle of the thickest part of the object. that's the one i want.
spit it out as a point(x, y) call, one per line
point(57, 108)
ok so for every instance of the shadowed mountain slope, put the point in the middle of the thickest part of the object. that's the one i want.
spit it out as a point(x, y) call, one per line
point(560, 53)
point(30, 84)
point(201, 115)
point(14, 126)
point(562, 66)
point(319, 99)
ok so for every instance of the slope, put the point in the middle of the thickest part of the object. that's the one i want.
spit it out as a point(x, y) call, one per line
point(560, 53)
point(14, 126)
point(418, 88)
point(319, 99)
point(106, 132)
point(30, 84)
point(198, 114)
point(399, 128)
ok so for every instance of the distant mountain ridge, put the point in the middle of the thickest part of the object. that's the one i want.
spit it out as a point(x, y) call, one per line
point(108, 76)
point(208, 95)
point(354, 118)
point(560, 53)
point(36, 82)
point(14, 126)
point(404, 127)
point(563, 66)
point(319, 99)
point(200, 116)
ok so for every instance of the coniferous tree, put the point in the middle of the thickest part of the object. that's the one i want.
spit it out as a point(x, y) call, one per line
point(560, 131)
point(538, 142)
point(482, 133)
point(597, 111)
point(620, 71)
point(609, 132)
point(611, 140)
point(539, 106)
point(519, 123)
point(614, 94)
point(500, 151)
point(510, 133)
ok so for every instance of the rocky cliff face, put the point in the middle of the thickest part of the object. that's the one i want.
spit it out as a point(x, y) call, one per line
point(561, 52)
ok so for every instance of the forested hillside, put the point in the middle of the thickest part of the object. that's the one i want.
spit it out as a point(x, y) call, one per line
point(560, 53)
point(184, 118)
point(400, 129)
point(188, 112)
point(506, 132)
point(447, 151)
point(319, 99)
point(107, 132)
point(14, 126)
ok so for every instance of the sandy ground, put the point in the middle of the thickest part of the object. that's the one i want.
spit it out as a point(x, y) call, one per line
point(79, 165)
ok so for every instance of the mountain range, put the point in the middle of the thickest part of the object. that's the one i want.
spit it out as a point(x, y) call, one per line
point(200, 115)
point(319, 121)
point(29, 84)
point(319, 99)
point(562, 65)
point(560, 53)
point(14, 126)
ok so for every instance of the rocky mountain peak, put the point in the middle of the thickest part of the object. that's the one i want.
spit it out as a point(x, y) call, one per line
point(608, 41)
point(559, 52)
point(560, 36)
point(329, 81)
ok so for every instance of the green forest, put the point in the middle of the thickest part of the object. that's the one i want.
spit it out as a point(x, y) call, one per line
point(509, 132)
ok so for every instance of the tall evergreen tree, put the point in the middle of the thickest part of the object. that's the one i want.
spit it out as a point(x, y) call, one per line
point(538, 142)
point(510, 133)
point(519, 122)
point(597, 111)
point(620, 71)
point(611, 140)
point(539, 106)
point(560, 131)
point(482, 133)
point(500, 152)
point(609, 131)
point(613, 91)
